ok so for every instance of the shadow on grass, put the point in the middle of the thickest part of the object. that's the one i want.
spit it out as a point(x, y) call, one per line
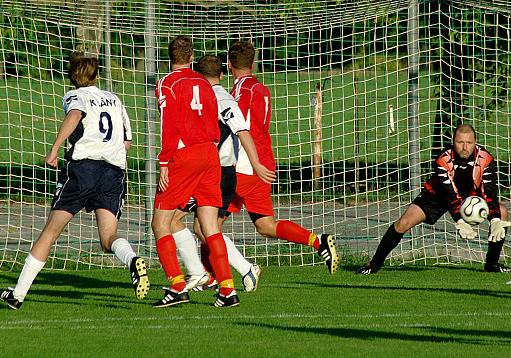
point(444, 335)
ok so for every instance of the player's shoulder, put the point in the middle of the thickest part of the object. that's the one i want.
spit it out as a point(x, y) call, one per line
point(484, 153)
point(221, 93)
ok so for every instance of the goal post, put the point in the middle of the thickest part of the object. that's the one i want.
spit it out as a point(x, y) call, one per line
point(388, 81)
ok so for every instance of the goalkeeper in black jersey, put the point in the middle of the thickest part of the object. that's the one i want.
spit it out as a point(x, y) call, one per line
point(463, 170)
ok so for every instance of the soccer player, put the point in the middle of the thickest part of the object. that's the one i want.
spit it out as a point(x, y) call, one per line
point(189, 167)
point(254, 100)
point(462, 170)
point(233, 129)
point(93, 177)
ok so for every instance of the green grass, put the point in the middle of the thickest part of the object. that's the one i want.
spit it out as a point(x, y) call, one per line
point(297, 311)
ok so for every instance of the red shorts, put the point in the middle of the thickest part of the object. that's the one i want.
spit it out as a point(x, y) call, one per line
point(193, 171)
point(252, 192)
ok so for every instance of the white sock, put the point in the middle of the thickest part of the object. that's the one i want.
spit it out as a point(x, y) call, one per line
point(187, 247)
point(28, 274)
point(236, 259)
point(123, 250)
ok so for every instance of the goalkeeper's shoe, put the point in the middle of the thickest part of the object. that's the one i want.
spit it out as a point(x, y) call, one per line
point(367, 269)
point(328, 252)
point(193, 281)
point(496, 268)
point(8, 297)
point(211, 285)
point(139, 278)
point(172, 298)
point(251, 278)
point(229, 300)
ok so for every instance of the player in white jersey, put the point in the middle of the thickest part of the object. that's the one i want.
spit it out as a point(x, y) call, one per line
point(98, 130)
point(233, 129)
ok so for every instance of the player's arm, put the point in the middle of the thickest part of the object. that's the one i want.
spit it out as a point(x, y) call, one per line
point(128, 136)
point(266, 175)
point(67, 128)
point(490, 190)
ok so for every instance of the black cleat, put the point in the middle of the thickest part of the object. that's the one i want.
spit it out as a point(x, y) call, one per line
point(8, 297)
point(328, 252)
point(139, 277)
point(172, 298)
point(496, 268)
point(231, 300)
point(367, 270)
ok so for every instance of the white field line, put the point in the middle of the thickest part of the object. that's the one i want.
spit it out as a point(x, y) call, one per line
point(77, 323)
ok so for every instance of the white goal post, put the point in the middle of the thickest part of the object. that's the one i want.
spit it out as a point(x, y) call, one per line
point(364, 93)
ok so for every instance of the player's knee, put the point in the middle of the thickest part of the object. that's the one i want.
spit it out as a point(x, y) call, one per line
point(267, 230)
point(402, 225)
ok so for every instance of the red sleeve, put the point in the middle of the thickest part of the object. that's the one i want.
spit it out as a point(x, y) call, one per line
point(244, 101)
point(169, 120)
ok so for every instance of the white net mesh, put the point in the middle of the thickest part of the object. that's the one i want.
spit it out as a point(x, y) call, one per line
point(345, 103)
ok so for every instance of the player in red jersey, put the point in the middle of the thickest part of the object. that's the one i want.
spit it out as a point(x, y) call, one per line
point(189, 167)
point(463, 170)
point(254, 100)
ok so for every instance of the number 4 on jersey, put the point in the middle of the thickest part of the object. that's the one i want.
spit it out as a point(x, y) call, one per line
point(195, 103)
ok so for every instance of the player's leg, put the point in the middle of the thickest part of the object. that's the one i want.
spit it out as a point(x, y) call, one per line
point(36, 259)
point(107, 228)
point(187, 248)
point(167, 253)
point(495, 248)
point(208, 219)
point(413, 216)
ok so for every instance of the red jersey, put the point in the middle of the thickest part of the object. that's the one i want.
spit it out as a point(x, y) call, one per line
point(254, 101)
point(188, 112)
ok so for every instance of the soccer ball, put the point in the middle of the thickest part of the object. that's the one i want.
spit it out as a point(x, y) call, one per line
point(474, 210)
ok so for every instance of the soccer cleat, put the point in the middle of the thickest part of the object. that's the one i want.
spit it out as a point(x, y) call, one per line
point(328, 252)
point(172, 298)
point(139, 277)
point(496, 268)
point(211, 285)
point(251, 278)
point(367, 270)
point(8, 297)
point(231, 300)
point(193, 281)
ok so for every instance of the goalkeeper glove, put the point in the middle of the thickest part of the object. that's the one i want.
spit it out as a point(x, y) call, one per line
point(465, 230)
point(498, 229)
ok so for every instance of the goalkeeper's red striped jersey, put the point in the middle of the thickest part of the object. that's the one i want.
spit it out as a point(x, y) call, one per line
point(254, 101)
point(455, 179)
point(188, 112)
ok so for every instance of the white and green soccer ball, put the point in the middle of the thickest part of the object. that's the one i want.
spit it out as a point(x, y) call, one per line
point(474, 210)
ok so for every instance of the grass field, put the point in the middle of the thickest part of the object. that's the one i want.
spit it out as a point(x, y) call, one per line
point(297, 311)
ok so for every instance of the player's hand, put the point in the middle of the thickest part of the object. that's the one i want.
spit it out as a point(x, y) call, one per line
point(266, 175)
point(163, 182)
point(465, 230)
point(52, 157)
point(498, 229)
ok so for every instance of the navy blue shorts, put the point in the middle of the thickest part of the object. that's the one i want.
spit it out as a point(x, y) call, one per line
point(228, 187)
point(90, 184)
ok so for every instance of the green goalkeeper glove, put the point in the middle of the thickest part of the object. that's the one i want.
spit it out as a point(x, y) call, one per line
point(498, 229)
point(465, 230)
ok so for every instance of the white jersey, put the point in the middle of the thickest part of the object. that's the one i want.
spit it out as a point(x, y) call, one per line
point(231, 122)
point(104, 127)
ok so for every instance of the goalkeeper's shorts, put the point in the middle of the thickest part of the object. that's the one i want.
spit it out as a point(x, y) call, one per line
point(431, 205)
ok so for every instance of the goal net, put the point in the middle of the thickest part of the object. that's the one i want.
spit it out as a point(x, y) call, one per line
point(364, 94)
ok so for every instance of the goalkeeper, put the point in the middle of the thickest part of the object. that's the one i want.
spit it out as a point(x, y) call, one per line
point(462, 170)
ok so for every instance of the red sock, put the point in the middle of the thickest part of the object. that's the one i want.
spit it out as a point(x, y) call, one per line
point(166, 249)
point(218, 257)
point(204, 257)
point(290, 231)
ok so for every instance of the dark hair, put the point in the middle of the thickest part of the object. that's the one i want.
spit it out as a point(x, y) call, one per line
point(241, 55)
point(210, 66)
point(83, 70)
point(464, 128)
point(181, 50)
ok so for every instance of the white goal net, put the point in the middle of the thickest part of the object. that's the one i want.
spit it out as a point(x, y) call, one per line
point(364, 93)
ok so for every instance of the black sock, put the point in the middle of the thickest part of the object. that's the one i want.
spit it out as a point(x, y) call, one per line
point(493, 254)
point(388, 242)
